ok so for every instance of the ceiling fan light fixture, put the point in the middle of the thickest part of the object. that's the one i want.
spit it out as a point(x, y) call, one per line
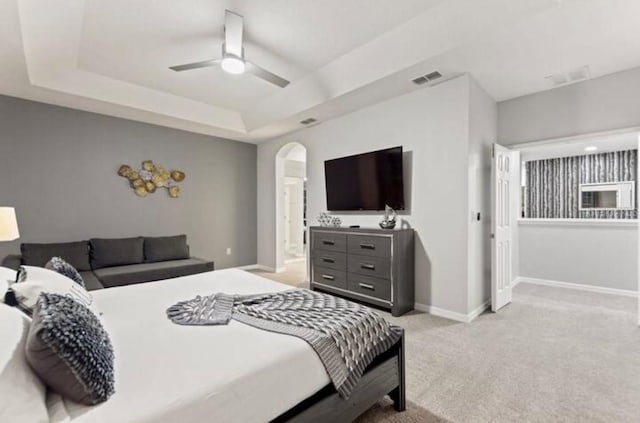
point(233, 64)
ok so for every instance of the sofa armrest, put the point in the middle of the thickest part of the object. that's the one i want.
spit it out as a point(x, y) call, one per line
point(12, 261)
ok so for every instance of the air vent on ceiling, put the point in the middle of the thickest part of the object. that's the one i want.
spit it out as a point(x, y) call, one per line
point(308, 121)
point(430, 77)
point(576, 75)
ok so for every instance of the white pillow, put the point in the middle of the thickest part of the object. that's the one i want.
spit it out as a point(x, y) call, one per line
point(39, 280)
point(22, 394)
point(7, 277)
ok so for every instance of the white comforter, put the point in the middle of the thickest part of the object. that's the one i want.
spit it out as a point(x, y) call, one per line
point(171, 373)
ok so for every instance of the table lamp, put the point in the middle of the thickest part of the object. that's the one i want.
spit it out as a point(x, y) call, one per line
point(8, 224)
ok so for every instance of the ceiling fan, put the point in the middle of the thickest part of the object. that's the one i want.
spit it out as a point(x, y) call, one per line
point(233, 60)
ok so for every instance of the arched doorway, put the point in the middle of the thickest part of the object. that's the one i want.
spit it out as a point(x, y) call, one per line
point(291, 219)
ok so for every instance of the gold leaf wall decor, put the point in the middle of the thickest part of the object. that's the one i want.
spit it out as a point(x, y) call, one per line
point(150, 177)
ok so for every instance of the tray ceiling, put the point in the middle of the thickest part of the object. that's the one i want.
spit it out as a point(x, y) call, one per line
point(112, 57)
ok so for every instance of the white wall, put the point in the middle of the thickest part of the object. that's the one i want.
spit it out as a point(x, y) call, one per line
point(601, 104)
point(294, 213)
point(295, 169)
point(483, 120)
point(432, 124)
point(603, 255)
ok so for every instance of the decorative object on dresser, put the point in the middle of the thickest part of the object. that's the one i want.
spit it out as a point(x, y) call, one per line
point(151, 176)
point(324, 219)
point(375, 266)
point(389, 220)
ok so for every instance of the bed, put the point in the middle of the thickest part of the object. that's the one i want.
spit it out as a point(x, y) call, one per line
point(234, 373)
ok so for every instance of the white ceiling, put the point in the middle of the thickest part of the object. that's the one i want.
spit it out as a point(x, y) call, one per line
point(112, 57)
point(166, 33)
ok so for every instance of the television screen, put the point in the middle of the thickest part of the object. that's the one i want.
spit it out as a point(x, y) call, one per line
point(366, 181)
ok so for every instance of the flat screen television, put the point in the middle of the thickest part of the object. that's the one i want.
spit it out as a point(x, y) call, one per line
point(366, 181)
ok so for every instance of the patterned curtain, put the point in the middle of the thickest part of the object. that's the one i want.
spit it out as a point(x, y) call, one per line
point(552, 186)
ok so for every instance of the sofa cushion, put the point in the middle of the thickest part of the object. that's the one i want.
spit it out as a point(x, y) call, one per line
point(165, 248)
point(147, 272)
point(116, 252)
point(74, 253)
point(91, 282)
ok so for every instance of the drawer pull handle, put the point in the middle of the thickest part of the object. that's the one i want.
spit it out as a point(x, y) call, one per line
point(328, 260)
point(367, 266)
point(328, 242)
point(367, 286)
point(367, 246)
point(328, 277)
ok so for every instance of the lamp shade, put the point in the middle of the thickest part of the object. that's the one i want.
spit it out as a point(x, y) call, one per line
point(8, 224)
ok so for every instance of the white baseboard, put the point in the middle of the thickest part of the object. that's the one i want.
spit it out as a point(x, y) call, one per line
point(452, 315)
point(478, 311)
point(578, 286)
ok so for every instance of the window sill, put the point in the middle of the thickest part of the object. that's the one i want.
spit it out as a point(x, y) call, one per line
point(581, 222)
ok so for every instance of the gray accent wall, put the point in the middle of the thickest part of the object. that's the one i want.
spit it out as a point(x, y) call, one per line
point(552, 185)
point(58, 169)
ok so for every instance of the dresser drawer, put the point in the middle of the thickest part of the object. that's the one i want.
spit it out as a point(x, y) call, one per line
point(330, 241)
point(369, 266)
point(330, 259)
point(369, 245)
point(331, 277)
point(366, 285)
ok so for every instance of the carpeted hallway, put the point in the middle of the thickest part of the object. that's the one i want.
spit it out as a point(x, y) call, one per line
point(553, 355)
point(294, 275)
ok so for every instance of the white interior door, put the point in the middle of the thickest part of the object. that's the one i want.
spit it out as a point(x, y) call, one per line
point(504, 197)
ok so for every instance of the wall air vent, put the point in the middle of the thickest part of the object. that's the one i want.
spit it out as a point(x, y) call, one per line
point(430, 77)
point(576, 75)
point(308, 121)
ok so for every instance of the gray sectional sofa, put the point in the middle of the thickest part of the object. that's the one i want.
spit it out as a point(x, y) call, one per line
point(105, 263)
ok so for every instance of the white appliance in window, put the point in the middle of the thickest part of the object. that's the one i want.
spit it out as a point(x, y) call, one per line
point(608, 196)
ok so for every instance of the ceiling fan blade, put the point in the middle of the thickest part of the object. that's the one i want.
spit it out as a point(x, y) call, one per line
point(233, 26)
point(196, 65)
point(266, 75)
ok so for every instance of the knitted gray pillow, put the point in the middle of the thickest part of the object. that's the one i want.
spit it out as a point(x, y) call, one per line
point(70, 351)
point(57, 264)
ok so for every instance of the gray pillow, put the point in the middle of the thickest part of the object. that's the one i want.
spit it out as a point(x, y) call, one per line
point(59, 265)
point(116, 252)
point(165, 248)
point(70, 351)
point(74, 253)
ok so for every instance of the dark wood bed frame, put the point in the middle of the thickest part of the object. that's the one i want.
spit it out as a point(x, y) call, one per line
point(385, 376)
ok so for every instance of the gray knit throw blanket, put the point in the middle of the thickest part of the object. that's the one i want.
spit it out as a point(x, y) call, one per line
point(345, 335)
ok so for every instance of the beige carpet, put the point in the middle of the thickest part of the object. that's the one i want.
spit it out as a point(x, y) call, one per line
point(553, 355)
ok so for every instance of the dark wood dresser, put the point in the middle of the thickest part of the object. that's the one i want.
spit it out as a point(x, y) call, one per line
point(374, 266)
